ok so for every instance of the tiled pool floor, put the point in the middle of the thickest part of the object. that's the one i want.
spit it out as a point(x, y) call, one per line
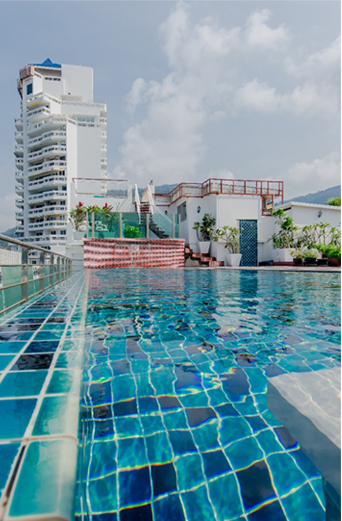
point(175, 423)
point(41, 356)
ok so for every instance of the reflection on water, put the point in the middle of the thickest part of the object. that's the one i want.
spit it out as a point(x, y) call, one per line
point(176, 423)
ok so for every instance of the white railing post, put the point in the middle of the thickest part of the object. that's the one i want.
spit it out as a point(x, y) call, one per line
point(150, 198)
point(137, 201)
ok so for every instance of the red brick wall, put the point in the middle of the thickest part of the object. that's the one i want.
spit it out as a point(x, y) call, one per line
point(138, 253)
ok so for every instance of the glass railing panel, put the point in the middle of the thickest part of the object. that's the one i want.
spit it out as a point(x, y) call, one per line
point(10, 275)
point(108, 225)
point(132, 228)
point(105, 225)
point(163, 223)
point(176, 227)
point(34, 284)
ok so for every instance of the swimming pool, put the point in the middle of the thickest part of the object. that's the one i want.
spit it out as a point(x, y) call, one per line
point(182, 368)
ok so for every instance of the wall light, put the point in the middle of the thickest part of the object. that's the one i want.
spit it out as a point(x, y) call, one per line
point(320, 213)
point(198, 209)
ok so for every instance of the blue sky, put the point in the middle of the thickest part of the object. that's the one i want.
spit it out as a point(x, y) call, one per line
point(193, 89)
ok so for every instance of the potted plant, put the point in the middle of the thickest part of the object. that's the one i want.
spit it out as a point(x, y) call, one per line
point(335, 256)
point(78, 217)
point(335, 251)
point(205, 231)
point(298, 256)
point(285, 238)
point(324, 251)
point(310, 257)
point(230, 236)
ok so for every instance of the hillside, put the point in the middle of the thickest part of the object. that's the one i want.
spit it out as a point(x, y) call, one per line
point(9, 233)
point(320, 197)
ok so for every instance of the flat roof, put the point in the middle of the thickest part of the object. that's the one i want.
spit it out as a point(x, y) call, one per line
point(287, 206)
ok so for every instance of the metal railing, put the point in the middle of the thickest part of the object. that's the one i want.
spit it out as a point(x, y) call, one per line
point(228, 187)
point(51, 269)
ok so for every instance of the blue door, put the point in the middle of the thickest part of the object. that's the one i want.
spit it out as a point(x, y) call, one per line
point(249, 242)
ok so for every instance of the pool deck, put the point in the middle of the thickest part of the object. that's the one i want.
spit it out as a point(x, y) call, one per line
point(41, 360)
point(301, 269)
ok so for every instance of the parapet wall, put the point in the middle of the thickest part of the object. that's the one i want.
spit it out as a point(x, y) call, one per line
point(133, 253)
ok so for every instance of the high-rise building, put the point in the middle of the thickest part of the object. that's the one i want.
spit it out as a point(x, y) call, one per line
point(60, 138)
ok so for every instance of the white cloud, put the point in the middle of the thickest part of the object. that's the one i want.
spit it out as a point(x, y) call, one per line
point(259, 34)
point(318, 63)
point(209, 79)
point(7, 212)
point(258, 96)
point(310, 177)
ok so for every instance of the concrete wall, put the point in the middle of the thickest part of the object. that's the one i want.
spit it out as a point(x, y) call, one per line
point(305, 215)
point(9, 257)
point(78, 81)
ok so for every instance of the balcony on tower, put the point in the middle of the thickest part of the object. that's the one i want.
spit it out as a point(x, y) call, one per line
point(18, 124)
point(47, 166)
point(50, 123)
point(19, 150)
point(47, 138)
point(42, 184)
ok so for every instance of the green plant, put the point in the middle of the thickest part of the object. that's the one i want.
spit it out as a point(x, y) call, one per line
point(205, 229)
point(334, 201)
point(230, 236)
point(297, 253)
point(287, 236)
point(132, 232)
point(330, 251)
point(310, 254)
point(313, 234)
point(78, 216)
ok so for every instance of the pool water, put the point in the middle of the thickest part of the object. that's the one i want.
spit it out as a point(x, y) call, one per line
point(178, 367)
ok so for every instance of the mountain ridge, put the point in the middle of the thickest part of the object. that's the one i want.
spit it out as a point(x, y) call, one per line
point(320, 197)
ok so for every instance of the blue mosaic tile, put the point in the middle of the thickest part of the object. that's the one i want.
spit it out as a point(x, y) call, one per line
point(169, 508)
point(19, 412)
point(197, 504)
point(134, 486)
point(57, 415)
point(11, 347)
point(8, 452)
point(225, 496)
point(22, 384)
point(131, 453)
point(243, 453)
point(303, 505)
point(64, 382)
point(46, 488)
point(158, 448)
point(189, 471)
point(5, 360)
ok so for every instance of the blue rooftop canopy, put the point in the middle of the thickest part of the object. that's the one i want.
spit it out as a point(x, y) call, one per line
point(47, 63)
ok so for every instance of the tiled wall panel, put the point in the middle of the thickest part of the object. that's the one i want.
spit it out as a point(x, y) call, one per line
point(133, 253)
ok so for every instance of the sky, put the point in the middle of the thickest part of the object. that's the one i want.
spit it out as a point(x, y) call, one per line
point(197, 89)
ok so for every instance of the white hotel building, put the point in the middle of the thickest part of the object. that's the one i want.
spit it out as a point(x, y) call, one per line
point(60, 140)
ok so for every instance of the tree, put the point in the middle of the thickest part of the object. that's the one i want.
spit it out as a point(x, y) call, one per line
point(334, 201)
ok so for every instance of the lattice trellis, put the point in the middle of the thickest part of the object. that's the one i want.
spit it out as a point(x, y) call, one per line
point(249, 242)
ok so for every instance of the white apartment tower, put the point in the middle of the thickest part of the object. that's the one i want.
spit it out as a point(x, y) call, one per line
point(60, 137)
